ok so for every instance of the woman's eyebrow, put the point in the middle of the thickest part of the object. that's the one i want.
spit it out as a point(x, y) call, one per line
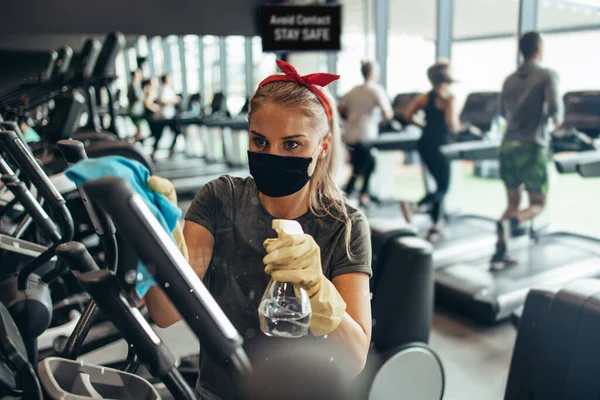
point(285, 138)
point(295, 136)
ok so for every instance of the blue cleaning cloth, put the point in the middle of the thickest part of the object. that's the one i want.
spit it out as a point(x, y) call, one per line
point(137, 175)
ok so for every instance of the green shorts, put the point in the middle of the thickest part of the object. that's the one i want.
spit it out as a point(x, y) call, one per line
point(524, 164)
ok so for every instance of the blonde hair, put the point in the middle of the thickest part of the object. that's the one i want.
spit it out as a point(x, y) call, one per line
point(325, 197)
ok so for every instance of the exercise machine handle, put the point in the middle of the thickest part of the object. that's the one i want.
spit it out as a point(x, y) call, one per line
point(33, 208)
point(23, 157)
point(170, 269)
point(73, 151)
point(154, 354)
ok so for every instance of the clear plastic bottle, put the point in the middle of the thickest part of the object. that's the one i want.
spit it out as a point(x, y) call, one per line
point(284, 310)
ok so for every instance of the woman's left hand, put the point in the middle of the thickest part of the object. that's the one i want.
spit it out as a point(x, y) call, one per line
point(296, 258)
point(166, 188)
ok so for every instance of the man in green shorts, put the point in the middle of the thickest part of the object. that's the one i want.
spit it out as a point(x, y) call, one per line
point(532, 107)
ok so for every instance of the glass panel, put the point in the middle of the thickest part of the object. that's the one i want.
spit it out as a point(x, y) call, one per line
point(157, 52)
point(476, 18)
point(120, 85)
point(236, 73)
point(572, 57)
point(264, 63)
point(176, 73)
point(212, 73)
point(554, 14)
point(482, 65)
point(411, 45)
point(142, 44)
point(356, 45)
point(192, 63)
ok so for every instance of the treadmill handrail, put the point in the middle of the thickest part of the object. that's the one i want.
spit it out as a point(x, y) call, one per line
point(568, 162)
point(589, 169)
point(472, 150)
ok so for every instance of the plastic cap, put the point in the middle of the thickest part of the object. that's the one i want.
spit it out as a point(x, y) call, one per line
point(287, 226)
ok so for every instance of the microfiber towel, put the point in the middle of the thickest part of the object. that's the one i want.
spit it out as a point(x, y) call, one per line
point(137, 175)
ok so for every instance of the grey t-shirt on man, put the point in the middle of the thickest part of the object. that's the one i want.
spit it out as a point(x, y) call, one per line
point(231, 210)
point(530, 96)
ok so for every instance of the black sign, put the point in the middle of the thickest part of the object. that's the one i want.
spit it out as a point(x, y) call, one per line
point(301, 28)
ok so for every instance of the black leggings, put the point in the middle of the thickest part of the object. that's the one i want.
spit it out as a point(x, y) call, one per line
point(157, 128)
point(363, 164)
point(439, 167)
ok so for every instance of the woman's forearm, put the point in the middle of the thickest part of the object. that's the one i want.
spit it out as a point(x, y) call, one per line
point(355, 340)
point(162, 311)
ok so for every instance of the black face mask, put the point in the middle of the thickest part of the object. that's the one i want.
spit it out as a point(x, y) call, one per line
point(278, 176)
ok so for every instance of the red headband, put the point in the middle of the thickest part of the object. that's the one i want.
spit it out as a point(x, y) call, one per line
point(309, 81)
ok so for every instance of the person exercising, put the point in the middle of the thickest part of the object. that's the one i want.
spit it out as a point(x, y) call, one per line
point(135, 97)
point(362, 108)
point(293, 145)
point(530, 101)
point(440, 122)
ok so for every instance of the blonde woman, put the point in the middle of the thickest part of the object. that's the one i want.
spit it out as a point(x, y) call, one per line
point(293, 146)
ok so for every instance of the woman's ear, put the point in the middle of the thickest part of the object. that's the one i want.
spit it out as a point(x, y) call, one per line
point(326, 142)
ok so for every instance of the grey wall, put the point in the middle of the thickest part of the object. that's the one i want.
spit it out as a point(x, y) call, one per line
point(147, 17)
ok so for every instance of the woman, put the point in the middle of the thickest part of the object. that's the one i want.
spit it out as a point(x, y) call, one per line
point(168, 100)
point(293, 145)
point(440, 122)
point(135, 97)
point(363, 107)
point(152, 112)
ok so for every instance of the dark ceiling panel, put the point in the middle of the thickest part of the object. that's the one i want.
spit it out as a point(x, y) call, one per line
point(148, 17)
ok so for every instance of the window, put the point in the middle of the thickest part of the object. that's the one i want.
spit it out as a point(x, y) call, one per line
point(482, 65)
point(132, 58)
point(172, 45)
point(484, 51)
point(120, 85)
point(573, 57)
point(309, 62)
point(556, 14)
point(357, 42)
point(157, 56)
point(236, 73)
point(192, 63)
point(142, 51)
point(411, 45)
point(264, 63)
point(212, 72)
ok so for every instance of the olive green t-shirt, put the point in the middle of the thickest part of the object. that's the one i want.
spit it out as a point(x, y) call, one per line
point(230, 209)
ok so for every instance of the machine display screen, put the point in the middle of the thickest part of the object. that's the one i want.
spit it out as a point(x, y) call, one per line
point(582, 110)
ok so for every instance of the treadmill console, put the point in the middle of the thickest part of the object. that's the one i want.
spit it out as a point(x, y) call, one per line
point(480, 109)
point(582, 112)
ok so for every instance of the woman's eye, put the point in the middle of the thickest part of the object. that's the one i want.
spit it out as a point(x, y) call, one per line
point(259, 142)
point(291, 145)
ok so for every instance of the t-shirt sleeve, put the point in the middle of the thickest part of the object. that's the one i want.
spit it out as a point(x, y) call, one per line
point(360, 247)
point(207, 204)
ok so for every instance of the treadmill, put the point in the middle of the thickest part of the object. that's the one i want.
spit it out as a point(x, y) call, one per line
point(553, 258)
point(466, 236)
point(223, 147)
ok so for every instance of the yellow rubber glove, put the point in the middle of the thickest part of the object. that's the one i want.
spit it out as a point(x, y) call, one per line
point(296, 258)
point(166, 188)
